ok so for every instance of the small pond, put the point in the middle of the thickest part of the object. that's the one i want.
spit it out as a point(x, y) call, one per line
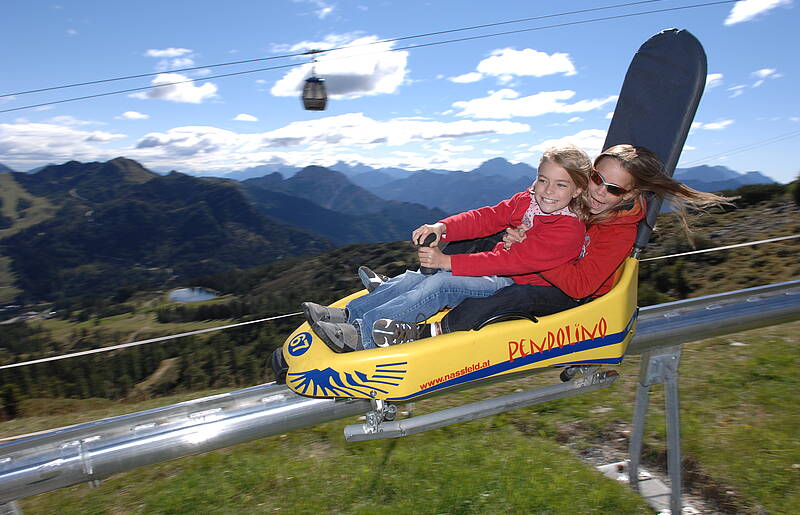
point(191, 295)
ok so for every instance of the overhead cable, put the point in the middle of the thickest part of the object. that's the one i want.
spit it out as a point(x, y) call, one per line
point(722, 248)
point(142, 342)
point(299, 54)
point(408, 47)
point(745, 148)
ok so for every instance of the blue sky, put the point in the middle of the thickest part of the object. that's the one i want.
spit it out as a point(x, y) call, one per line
point(448, 106)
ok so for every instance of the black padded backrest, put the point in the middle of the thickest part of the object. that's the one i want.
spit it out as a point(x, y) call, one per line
point(657, 104)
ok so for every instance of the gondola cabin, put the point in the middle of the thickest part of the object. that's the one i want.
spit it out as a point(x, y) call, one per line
point(315, 98)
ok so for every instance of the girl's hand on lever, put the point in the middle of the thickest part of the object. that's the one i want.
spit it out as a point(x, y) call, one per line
point(422, 232)
point(432, 257)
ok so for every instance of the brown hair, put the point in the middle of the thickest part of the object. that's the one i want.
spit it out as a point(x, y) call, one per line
point(578, 165)
point(649, 174)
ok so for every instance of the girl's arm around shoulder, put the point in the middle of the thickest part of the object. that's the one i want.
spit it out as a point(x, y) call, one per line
point(553, 241)
point(608, 246)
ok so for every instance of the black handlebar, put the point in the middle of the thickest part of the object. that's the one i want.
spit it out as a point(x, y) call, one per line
point(426, 270)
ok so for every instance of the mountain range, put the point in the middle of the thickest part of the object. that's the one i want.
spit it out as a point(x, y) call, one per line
point(492, 181)
point(109, 225)
point(83, 228)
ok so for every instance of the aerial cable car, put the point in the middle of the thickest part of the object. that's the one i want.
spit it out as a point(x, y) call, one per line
point(651, 112)
point(315, 98)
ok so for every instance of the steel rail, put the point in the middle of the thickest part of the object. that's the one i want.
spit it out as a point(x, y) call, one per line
point(92, 451)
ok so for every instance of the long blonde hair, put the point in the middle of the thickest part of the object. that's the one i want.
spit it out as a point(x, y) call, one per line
point(578, 165)
point(649, 175)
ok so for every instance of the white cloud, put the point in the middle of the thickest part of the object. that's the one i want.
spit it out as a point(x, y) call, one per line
point(72, 32)
point(181, 62)
point(715, 126)
point(449, 147)
point(168, 52)
point(26, 145)
point(506, 103)
point(318, 141)
point(590, 140)
point(466, 78)
point(351, 72)
point(507, 63)
point(713, 80)
point(527, 62)
point(205, 149)
point(165, 88)
point(132, 115)
point(70, 121)
point(323, 8)
point(609, 115)
point(736, 90)
point(244, 117)
point(172, 58)
point(746, 10)
point(764, 74)
point(575, 119)
point(103, 136)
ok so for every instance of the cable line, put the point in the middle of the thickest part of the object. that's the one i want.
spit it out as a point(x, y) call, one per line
point(142, 88)
point(722, 248)
point(299, 54)
point(142, 342)
point(409, 47)
point(745, 148)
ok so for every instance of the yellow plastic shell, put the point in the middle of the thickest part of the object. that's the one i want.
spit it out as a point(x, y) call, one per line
point(597, 332)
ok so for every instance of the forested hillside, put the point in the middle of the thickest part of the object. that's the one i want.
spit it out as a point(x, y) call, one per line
point(78, 232)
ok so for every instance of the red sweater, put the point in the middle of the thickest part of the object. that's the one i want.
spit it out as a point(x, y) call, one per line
point(608, 243)
point(552, 241)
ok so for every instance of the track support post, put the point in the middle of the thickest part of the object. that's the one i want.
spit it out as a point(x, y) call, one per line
point(659, 366)
point(381, 411)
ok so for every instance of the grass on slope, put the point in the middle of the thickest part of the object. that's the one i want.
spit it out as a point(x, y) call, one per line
point(739, 429)
point(7, 291)
point(471, 468)
point(40, 209)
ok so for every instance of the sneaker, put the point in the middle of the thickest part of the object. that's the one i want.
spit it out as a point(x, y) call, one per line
point(387, 332)
point(370, 279)
point(317, 313)
point(339, 337)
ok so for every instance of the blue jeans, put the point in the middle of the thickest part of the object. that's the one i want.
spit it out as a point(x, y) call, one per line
point(413, 297)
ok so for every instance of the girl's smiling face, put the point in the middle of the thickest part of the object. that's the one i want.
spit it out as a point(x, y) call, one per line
point(553, 189)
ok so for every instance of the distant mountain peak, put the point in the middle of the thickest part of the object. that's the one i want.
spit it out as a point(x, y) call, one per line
point(501, 166)
point(4, 168)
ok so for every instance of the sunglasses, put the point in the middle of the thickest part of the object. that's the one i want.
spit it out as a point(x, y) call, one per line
point(613, 189)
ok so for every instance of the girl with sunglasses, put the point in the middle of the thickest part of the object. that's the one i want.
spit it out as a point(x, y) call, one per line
point(618, 179)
